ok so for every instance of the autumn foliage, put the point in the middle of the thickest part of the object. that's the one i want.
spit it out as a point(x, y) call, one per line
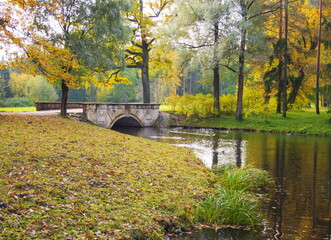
point(52, 35)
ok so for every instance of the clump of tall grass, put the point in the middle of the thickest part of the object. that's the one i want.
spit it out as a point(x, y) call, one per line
point(234, 200)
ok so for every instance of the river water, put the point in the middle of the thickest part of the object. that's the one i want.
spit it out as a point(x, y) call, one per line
point(300, 207)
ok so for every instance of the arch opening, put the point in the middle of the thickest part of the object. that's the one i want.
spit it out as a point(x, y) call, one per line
point(126, 122)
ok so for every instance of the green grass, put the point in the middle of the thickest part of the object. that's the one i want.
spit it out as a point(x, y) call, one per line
point(234, 201)
point(18, 109)
point(61, 179)
point(300, 122)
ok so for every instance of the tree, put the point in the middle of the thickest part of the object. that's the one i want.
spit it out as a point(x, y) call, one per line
point(2, 89)
point(143, 16)
point(285, 60)
point(70, 42)
point(318, 58)
point(247, 12)
point(35, 88)
point(201, 26)
point(4, 74)
point(19, 84)
point(41, 91)
point(302, 48)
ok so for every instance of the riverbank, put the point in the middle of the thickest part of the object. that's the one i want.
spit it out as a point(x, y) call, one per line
point(296, 122)
point(64, 179)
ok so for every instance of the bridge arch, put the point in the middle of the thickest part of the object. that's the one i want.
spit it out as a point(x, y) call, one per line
point(126, 120)
point(107, 114)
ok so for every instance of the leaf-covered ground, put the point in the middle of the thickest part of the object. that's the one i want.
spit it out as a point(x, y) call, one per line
point(61, 179)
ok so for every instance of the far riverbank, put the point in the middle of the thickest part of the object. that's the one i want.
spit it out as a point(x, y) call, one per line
point(296, 122)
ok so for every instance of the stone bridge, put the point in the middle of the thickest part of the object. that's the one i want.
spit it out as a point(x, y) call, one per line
point(109, 115)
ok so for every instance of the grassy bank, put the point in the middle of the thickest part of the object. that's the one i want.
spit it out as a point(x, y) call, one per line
point(301, 122)
point(61, 179)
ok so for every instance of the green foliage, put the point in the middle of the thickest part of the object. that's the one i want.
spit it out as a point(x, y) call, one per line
point(245, 179)
point(36, 88)
point(232, 207)
point(42, 91)
point(2, 89)
point(233, 201)
point(18, 102)
point(61, 179)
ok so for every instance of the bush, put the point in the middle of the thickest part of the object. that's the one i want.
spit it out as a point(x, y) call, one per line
point(18, 102)
point(228, 103)
point(199, 105)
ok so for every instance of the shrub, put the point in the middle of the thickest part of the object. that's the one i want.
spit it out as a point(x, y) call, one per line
point(200, 105)
point(18, 102)
point(172, 101)
point(228, 103)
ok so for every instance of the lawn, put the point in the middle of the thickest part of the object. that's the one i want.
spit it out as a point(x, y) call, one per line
point(296, 122)
point(61, 179)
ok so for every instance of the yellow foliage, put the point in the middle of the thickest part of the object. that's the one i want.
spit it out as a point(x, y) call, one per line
point(228, 103)
point(200, 105)
point(43, 57)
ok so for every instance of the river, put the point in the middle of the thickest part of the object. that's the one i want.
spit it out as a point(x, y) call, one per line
point(300, 207)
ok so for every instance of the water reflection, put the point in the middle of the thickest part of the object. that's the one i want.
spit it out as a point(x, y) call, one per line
point(300, 208)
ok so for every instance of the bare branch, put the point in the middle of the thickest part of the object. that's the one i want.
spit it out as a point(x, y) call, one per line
point(264, 13)
point(136, 44)
point(231, 69)
point(151, 41)
point(135, 66)
point(249, 5)
point(134, 53)
point(195, 47)
point(114, 74)
point(162, 6)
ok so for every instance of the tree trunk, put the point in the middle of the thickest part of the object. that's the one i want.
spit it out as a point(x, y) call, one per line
point(280, 60)
point(145, 73)
point(64, 100)
point(296, 84)
point(318, 58)
point(240, 93)
point(216, 70)
point(285, 61)
point(216, 84)
point(279, 95)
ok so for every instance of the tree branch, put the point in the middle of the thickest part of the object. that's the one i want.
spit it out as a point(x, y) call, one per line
point(136, 44)
point(162, 6)
point(114, 74)
point(135, 66)
point(134, 53)
point(195, 47)
point(231, 69)
point(249, 5)
point(195, 13)
point(263, 13)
